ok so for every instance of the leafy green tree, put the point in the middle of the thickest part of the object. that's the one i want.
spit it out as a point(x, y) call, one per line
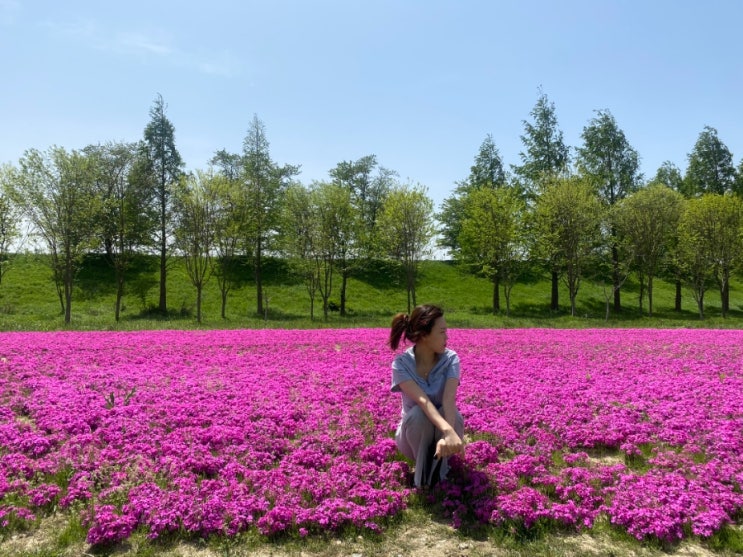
point(128, 219)
point(567, 221)
point(694, 252)
point(486, 172)
point(728, 249)
point(358, 177)
point(612, 165)
point(710, 245)
point(197, 213)
point(647, 221)
point(491, 237)
point(298, 232)
point(710, 167)
point(545, 157)
point(336, 225)
point(546, 154)
point(10, 220)
point(317, 224)
point(368, 191)
point(264, 183)
point(228, 237)
point(668, 174)
point(406, 228)
point(57, 193)
point(161, 168)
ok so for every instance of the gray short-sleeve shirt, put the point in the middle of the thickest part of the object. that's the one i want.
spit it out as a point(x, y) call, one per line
point(403, 369)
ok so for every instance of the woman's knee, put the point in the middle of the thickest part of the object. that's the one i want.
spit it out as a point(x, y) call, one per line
point(416, 417)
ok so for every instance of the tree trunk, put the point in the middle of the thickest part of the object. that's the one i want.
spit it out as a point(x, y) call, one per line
point(58, 281)
point(224, 303)
point(700, 305)
point(725, 292)
point(615, 277)
point(650, 295)
point(496, 294)
point(344, 281)
point(411, 282)
point(507, 295)
point(163, 304)
point(199, 288)
point(411, 293)
point(554, 302)
point(677, 299)
point(119, 294)
point(573, 296)
point(607, 308)
point(68, 298)
point(258, 280)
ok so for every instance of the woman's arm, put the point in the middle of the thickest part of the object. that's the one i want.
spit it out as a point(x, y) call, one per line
point(450, 442)
point(449, 402)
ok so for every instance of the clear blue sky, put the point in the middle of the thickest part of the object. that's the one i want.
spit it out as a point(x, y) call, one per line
point(418, 83)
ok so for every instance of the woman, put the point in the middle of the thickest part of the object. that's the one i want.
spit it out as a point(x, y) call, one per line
point(427, 374)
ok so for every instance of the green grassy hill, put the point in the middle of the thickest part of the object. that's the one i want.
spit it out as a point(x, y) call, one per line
point(29, 301)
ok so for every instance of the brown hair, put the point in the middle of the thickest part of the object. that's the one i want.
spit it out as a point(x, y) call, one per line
point(414, 326)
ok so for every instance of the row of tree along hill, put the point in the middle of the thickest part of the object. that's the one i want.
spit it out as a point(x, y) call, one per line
point(581, 213)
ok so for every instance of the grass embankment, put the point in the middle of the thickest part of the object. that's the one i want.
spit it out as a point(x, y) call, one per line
point(28, 300)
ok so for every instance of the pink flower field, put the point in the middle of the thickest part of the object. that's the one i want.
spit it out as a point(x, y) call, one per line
point(219, 432)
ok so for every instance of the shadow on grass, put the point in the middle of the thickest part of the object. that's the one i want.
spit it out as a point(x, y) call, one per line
point(379, 274)
point(537, 310)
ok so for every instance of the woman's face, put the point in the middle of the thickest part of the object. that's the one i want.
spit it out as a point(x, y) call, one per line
point(436, 339)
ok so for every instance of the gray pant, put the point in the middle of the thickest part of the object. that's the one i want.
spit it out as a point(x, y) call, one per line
point(416, 438)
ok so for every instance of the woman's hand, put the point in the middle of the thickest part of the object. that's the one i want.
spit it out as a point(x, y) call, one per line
point(450, 444)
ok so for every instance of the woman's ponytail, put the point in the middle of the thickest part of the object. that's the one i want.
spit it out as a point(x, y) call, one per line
point(399, 328)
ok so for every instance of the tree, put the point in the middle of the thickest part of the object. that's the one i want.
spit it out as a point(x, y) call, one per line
point(668, 174)
point(162, 170)
point(367, 191)
point(57, 193)
point(196, 209)
point(298, 233)
point(546, 154)
point(336, 223)
point(10, 219)
point(710, 244)
point(612, 165)
point(710, 167)
point(546, 157)
point(486, 172)
point(406, 228)
point(264, 183)
point(127, 216)
point(728, 247)
point(357, 177)
point(694, 252)
point(228, 236)
point(490, 237)
point(567, 221)
point(647, 220)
